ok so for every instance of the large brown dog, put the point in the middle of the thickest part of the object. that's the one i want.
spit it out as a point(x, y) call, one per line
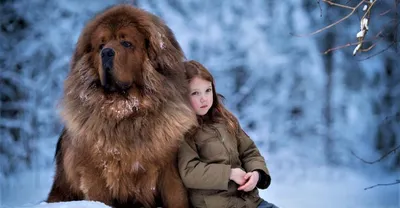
point(125, 113)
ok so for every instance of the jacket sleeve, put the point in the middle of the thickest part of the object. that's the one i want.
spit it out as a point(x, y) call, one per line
point(196, 174)
point(252, 159)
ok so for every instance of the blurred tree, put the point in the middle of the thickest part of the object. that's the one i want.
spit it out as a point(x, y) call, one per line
point(14, 150)
point(37, 39)
point(380, 20)
point(374, 26)
point(387, 105)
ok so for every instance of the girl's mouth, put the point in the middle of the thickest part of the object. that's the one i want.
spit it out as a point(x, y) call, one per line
point(203, 106)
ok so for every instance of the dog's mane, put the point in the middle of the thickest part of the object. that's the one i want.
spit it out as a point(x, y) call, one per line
point(83, 104)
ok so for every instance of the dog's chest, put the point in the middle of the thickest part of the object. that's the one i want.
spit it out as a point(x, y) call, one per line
point(125, 171)
point(119, 162)
point(121, 165)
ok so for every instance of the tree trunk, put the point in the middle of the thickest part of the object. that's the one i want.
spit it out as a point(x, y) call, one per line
point(329, 42)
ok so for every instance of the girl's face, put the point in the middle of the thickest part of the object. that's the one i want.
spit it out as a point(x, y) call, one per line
point(201, 95)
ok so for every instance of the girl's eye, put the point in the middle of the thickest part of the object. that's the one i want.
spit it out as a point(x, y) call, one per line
point(126, 44)
point(194, 93)
point(208, 90)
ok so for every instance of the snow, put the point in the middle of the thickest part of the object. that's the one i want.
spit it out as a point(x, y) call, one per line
point(307, 187)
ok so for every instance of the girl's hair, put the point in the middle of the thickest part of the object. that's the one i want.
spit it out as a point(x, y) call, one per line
point(217, 113)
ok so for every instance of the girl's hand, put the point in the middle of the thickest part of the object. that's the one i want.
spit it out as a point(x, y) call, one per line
point(238, 176)
point(252, 179)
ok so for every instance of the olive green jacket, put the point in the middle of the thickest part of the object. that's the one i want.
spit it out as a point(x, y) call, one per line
point(205, 163)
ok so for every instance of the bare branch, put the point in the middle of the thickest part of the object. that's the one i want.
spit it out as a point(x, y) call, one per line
point(369, 48)
point(333, 24)
point(383, 184)
point(320, 9)
point(352, 44)
point(368, 12)
point(339, 47)
point(363, 27)
point(383, 50)
point(378, 160)
point(377, 37)
point(338, 5)
point(397, 26)
point(385, 12)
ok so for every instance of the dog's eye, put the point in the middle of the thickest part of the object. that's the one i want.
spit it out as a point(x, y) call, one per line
point(126, 44)
point(101, 46)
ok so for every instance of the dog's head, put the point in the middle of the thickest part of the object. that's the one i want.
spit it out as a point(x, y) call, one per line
point(127, 62)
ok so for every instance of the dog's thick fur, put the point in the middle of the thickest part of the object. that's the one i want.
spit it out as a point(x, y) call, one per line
point(119, 143)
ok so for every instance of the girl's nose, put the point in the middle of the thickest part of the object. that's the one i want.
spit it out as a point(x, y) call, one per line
point(202, 100)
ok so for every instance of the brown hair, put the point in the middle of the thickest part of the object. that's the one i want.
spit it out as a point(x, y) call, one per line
point(217, 113)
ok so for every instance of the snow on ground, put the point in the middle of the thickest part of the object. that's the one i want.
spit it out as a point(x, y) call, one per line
point(322, 187)
point(341, 188)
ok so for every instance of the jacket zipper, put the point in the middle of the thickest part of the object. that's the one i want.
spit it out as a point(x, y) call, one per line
point(223, 143)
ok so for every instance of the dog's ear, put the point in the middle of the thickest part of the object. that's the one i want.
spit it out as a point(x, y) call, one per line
point(163, 49)
point(84, 45)
point(81, 49)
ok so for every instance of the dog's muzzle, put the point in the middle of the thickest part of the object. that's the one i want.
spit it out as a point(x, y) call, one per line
point(108, 80)
point(107, 60)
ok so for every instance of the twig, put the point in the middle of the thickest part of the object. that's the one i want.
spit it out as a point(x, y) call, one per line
point(338, 5)
point(378, 160)
point(373, 45)
point(383, 184)
point(396, 14)
point(383, 50)
point(369, 48)
point(351, 44)
point(361, 35)
point(377, 36)
point(385, 12)
point(339, 47)
point(348, 1)
point(363, 27)
point(320, 9)
point(369, 9)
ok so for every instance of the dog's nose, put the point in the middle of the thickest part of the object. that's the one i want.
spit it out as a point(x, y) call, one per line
point(107, 53)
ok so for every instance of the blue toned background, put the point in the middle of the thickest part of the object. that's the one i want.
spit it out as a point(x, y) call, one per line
point(310, 114)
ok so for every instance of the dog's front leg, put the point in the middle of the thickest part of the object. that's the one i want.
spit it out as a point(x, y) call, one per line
point(94, 189)
point(173, 192)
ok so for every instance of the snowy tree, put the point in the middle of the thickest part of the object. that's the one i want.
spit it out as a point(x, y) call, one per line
point(15, 149)
point(337, 30)
point(37, 47)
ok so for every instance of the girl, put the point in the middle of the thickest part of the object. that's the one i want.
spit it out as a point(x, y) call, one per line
point(218, 163)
